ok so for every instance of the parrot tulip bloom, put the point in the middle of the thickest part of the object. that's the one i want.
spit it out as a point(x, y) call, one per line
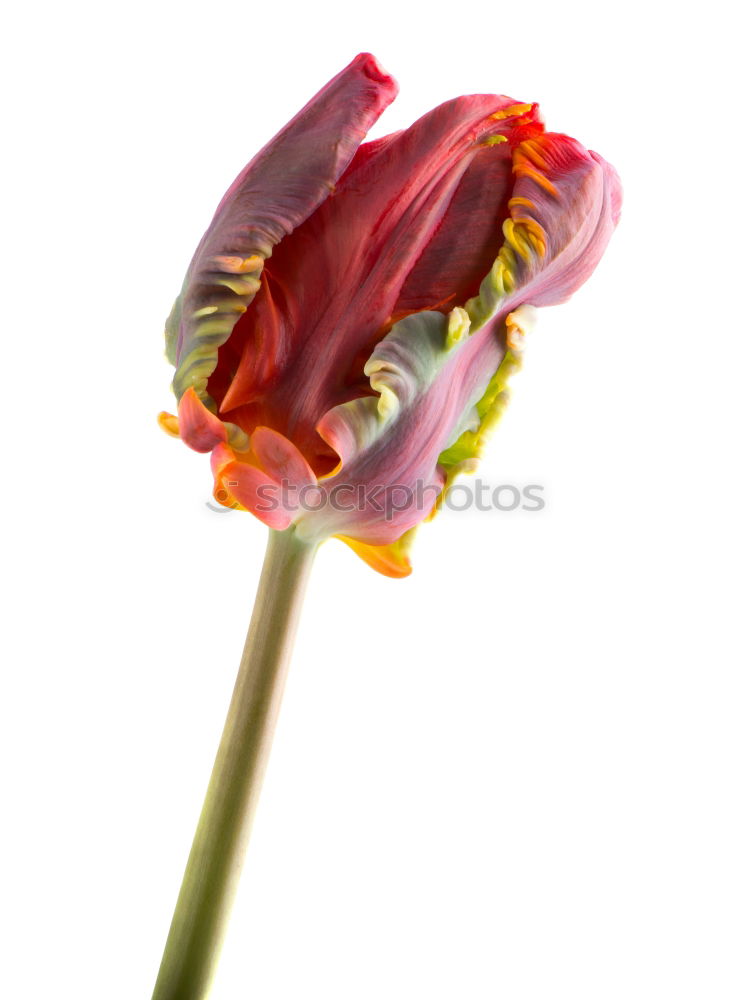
point(349, 320)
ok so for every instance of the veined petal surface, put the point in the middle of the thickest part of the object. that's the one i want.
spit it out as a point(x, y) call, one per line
point(414, 222)
point(348, 325)
point(284, 184)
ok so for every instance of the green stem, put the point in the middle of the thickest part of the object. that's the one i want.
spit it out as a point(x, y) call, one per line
point(218, 850)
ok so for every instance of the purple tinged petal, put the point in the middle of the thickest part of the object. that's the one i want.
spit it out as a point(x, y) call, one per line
point(429, 374)
point(335, 285)
point(563, 210)
point(565, 206)
point(283, 185)
point(459, 225)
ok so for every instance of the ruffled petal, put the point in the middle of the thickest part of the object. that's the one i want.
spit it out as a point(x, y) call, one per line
point(362, 367)
point(335, 286)
point(563, 210)
point(246, 486)
point(441, 382)
point(288, 179)
point(272, 480)
point(429, 373)
point(463, 452)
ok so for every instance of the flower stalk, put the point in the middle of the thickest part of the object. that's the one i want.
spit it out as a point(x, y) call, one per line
point(216, 857)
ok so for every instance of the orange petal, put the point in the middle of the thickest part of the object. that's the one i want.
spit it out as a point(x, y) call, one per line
point(280, 458)
point(169, 424)
point(252, 489)
point(390, 560)
point(199, 428)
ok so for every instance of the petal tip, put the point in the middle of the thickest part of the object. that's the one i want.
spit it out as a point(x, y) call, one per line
point(372, 67)
point(168, 423)
point(389, 560)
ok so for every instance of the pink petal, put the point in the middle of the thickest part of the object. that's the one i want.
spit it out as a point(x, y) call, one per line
point(280, 458)
point(389, 452)
point(568, 200)
point(268, 480)
point(333, 286)
point(253, 490)
point(199, 428)
point(287, 180)
point(563, 210)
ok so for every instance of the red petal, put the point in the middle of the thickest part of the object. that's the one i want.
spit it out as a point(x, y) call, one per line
point(278, 190)
point(467, 240)
point(333, 285)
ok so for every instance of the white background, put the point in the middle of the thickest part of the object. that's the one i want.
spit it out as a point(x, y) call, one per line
point(521, 773)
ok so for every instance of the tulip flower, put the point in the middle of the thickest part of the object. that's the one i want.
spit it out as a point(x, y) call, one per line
point(342, 344)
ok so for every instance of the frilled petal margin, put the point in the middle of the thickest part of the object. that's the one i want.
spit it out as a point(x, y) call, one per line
point(283, 185)
point(438, 382)
point(437, 379)
point(272, 480)
point(431, 376)
point(414, 223)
